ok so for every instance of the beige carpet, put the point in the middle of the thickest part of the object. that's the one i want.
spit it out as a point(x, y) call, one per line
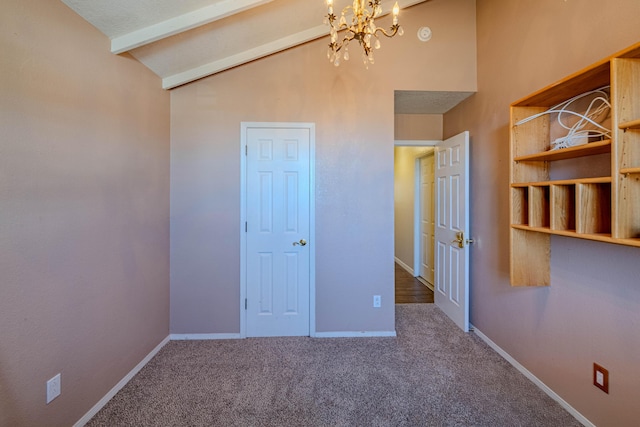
point(431, 374)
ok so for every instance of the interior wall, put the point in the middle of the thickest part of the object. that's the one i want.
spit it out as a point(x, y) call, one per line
point(426, 127)
point(590, 312)
point(84, 223)
point(353, 110)
point(404, 201)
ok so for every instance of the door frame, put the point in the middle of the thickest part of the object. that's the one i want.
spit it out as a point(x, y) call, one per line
point(244, 126)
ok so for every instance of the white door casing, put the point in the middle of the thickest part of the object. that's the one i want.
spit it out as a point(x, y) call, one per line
point(452, 218)
point(277, 230)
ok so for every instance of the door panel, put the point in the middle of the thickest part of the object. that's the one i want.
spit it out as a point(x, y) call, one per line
point(265, 283)
point(278, 220)
point(454, 194)
point(452, 198)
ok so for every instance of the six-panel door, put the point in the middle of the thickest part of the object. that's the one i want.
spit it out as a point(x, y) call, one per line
point(278, 225)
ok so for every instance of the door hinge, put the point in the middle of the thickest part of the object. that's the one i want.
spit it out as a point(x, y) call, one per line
point(246, 227)
point(245, 303)
point(246, 150)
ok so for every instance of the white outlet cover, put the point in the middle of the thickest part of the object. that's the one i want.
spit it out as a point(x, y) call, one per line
point(599, 378)
point(53, 388)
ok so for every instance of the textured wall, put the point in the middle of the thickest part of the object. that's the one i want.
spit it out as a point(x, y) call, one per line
point(590, 313)
point(353, 111)
point(84, 222)
point(418, 126)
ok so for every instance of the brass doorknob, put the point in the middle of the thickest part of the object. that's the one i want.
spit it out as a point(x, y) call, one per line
point(302, 242)
point(461, 241)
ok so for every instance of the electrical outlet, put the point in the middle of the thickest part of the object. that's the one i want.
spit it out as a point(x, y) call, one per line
point(601, 378)
point(53, 388)
point(377, 301)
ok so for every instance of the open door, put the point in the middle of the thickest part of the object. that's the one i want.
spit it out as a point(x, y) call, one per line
point(452, 229)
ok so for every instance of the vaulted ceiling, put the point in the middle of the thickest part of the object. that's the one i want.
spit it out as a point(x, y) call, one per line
point(185, 40)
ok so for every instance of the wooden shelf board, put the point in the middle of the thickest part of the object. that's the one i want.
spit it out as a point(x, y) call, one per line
point(589, 78)
point(593, 77)
point(590, 149)
point(630, 170)
point(630, 52)
point(599, 180)
point(633, 124)
point(630, 242)
point(601, 237)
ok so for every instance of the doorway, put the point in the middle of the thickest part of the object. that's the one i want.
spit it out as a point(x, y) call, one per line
point(451, 203)
point(413, 182)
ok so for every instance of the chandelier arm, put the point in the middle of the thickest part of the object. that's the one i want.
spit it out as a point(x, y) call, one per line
point(394, 29)
point(344, 41)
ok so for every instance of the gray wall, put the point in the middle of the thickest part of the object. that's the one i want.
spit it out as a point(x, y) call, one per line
point(590, 313)
point(84, 197)
point(353, 111)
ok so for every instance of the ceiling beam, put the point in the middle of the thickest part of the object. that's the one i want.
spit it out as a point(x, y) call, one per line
point(179, 24)
point(258, 52)
point(244, 57)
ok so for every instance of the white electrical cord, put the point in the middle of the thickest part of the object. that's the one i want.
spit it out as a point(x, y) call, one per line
point(599, 107)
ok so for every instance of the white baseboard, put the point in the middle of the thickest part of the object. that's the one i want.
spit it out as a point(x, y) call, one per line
point(355, 334)
point(427, 284)
point(577, 415)
point(96, 408)
point(405, 266)
point(187, 337)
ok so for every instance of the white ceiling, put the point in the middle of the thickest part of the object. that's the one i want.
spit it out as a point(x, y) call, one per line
point(421, 102)
point(185, 40)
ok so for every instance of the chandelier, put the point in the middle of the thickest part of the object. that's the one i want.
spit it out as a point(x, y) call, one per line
point(361, 27)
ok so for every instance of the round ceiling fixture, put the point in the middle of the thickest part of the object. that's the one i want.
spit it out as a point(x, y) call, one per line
point(424, 34)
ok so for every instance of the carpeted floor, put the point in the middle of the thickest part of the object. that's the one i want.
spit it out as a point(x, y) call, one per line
point(431, 374)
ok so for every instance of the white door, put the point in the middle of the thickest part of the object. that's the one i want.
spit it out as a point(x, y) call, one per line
point(452, 229)
point(278, 234)
point(427, 218)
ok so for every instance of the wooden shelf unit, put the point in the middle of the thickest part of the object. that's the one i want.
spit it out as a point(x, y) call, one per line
point(604, 209)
